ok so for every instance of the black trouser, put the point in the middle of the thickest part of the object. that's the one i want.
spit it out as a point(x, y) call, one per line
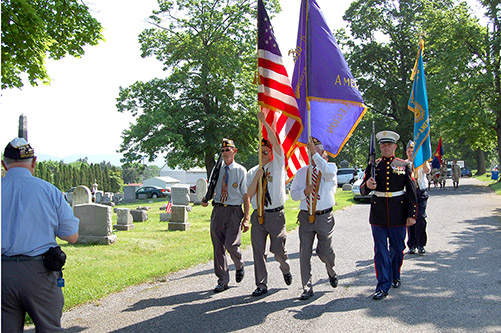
point(417, 233)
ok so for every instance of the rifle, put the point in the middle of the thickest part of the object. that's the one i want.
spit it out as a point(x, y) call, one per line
point(372, 152)
point(214, 175)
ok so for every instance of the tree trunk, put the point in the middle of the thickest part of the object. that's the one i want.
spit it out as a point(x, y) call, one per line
point(209, 164)
point(480, 161)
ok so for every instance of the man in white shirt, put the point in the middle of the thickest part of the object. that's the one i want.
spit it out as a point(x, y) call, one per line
point(272, 203)
point(321, 222)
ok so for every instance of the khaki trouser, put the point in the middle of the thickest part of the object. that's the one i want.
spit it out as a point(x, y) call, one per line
point(323, 228)
point(273, 225)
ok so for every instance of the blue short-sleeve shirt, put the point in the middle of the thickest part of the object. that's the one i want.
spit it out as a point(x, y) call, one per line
point(34, 212)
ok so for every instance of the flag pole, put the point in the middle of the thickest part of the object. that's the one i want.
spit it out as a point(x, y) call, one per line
point(260, 207)
point(310, 156)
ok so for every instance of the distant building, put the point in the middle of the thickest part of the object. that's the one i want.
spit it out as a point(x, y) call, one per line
point(184, 176)
point(161, 181)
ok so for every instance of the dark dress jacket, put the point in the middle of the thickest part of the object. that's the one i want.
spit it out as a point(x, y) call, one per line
point(392, 175)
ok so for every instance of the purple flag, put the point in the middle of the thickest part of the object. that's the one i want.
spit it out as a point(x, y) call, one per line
point(323, 83)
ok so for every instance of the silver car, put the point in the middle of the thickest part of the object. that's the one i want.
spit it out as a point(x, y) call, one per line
point(356, 191)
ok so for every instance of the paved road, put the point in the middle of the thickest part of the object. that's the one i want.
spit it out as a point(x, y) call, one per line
point(454, 287)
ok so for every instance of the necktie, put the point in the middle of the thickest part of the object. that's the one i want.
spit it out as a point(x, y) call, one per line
point(314, 177)
point(224, 187)
point(267, 196)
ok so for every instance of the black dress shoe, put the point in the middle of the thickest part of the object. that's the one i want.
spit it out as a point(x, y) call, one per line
point(396, 283)
point(288, 278)
point(379, 294)
point(307, 294)
point(239, 275)
point(333, 281)
point(259, 291)
point(421, 250)
point(220, 287)
point(412, 250)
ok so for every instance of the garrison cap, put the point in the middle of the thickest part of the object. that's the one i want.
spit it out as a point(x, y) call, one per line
point(387, 136)
point(410, 144)
point(19, 149)
point(266, 143)
point(228, 143)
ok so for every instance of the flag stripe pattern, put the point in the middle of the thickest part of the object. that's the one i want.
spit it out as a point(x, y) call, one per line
point(276, 97)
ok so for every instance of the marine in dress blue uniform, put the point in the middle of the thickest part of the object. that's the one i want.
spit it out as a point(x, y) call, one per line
point(393, 206)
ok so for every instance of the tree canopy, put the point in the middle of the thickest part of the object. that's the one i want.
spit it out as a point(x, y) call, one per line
point(36, 29)
point(381, 52)
point(208, 49)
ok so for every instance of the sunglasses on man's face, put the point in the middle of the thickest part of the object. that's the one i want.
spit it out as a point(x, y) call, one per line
point(225, 150)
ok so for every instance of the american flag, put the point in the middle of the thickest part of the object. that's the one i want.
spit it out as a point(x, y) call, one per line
point(276, 97)
point(168, 208)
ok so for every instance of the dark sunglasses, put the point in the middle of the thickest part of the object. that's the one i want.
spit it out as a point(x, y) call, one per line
point(225, 150)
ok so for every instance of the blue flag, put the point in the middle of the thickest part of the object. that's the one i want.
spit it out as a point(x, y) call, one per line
point(418, 103)
point(323, 83)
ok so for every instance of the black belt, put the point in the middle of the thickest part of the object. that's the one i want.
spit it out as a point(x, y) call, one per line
point(217, 204)
point(322, 212)
point(274, 210)
point(19, 258)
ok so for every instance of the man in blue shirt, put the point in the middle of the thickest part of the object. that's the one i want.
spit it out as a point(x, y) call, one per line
point(34, 212)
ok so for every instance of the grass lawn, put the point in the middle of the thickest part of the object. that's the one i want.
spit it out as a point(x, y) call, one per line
point(495, 185)
point(149, 252)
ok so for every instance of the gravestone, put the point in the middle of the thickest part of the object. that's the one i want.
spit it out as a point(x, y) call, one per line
point(201, 190)
point(98, 195)
point(165, 217)
point(139, 215)
point(180, 196)
point(124, 219)
point(95, 224)
point(130, 193)
point(23, 127)
point(347, 187)
point(81, 195)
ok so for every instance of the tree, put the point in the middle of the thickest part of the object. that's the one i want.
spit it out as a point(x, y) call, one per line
point(208, 48)
point(33, 30)
point(382, 52)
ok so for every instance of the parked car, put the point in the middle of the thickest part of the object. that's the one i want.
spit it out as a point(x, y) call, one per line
point(344, 176)
point(152, 191)
point(449, 173)
point(356, 191)
point(465, 172)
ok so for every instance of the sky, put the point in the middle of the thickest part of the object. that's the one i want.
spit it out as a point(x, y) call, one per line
point(76, 113)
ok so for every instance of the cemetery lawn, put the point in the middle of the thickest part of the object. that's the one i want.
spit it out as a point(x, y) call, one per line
point(149, 252)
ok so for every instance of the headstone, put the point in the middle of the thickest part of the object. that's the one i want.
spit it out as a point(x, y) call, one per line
point(180, 194)
point(165, 217)
point(347, 187)
point(106, 197)
point(201, 189)
point(130, 193)
point(117, 197)
point(139, 215)
point(81, 195)
point(145, 207)
point(124, 219)
point(95, 224)
point(98, 195)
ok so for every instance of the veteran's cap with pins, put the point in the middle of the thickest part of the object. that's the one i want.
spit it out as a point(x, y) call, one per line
point(19, 149)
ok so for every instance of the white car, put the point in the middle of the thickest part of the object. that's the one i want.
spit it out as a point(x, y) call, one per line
point(356, 191)
point(344, 176)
